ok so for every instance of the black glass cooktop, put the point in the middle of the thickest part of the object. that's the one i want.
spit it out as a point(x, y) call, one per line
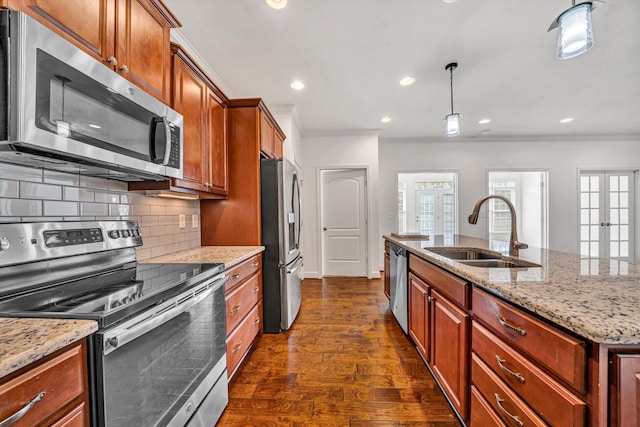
point(110, 297)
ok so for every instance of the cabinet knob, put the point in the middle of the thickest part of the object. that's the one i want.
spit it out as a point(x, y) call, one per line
point(112, 60)
point(430, 298)
point(124, 69)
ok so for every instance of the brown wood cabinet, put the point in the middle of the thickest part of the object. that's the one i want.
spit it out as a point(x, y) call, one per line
point(243, 296)
point(387, 271)
point(625, 390)
point(236, 221)
point(420, 315)
point(440, 328)
point(129, 36)
point(203, 107)
point(62, 382)
point(271, 137)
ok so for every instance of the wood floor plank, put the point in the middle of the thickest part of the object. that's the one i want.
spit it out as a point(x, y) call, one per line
point(344, 362)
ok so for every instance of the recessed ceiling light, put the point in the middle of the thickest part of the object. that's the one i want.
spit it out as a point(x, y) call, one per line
point(277, 4)
point(406, 81)
point(385, 119)
point(484, 121)
point(95, 126)
point(449, 1)
point(297, 85)
point(566, 120)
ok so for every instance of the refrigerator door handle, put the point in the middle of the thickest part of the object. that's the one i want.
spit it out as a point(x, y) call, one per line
point(297, 264)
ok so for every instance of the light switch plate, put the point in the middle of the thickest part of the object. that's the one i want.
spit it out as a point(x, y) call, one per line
point(182, 221)
point(194, 221)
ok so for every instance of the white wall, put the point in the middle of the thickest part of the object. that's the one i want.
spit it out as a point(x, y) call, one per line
point(287, 119)
point(333, 151)
point(472, 159)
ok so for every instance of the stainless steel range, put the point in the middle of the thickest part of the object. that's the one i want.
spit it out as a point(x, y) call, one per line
point(158, 358)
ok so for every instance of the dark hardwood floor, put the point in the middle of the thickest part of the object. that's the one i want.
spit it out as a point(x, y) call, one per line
point(345, 362)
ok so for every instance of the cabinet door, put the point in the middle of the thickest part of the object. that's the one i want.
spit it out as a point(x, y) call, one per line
point(625, 390)
point(86, 23)
point(450, 350)
point(419, 314)
point(278, 149)
point(216, 147)
point(266, 136)
point(142, 46)
point(190, 94)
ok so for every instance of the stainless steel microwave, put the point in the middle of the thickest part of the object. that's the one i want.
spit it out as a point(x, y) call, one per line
point(62, 109)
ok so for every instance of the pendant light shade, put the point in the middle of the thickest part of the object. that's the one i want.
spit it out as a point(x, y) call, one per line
point(452, 125)
point(452, 121)
point(575, 32)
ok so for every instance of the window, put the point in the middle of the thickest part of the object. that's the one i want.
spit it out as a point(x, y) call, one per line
point(402, 208)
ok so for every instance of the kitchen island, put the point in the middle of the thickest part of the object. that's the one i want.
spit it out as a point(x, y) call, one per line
point(582, 334)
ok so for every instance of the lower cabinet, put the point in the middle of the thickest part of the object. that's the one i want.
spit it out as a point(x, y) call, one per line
point(57, 385)
point(243, 297)
point(625, 390)
point(440, 328)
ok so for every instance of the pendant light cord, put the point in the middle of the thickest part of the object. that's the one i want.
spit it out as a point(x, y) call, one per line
point(451, 81)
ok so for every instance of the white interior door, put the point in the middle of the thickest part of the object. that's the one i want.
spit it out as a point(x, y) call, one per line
point(344, 222)
point(606, 215)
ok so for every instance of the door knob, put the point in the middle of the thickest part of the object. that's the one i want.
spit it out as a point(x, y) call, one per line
point(324, 228)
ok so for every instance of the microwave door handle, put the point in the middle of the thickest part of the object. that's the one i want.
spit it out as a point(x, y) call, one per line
point(117, 339)
point(167, 141)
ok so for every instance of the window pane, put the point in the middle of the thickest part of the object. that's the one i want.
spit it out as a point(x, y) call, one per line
point(595, 232)
point(624, 249)
point(624, 183)
point(584, 232)
point(613, 216)
point(614, 232)
point(624, 216)
point(624, 200)
point(595, 200)
point(584, 200)
point(584, 216)
point(594, 216)
point(624, 232)
point(584, 183)
point(584, 248)
point(613, 200)
point(613, 249)
point(613, 183)
point(594, 183)
point(594, 249)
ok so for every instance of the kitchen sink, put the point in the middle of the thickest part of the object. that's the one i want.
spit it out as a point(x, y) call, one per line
point(482, 258)
point(498, 263)
point(465, 253)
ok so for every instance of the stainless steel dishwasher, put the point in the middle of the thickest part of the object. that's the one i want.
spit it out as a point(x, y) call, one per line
point(398, 298)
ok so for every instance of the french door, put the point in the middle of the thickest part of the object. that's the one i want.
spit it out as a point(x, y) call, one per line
point(607, 212)
point(435, 212)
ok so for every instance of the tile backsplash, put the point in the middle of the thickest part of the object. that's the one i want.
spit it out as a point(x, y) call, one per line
point(34, 195)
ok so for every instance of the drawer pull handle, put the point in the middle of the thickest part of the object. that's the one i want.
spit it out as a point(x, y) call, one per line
point(255, 322)
point(506, 324)
point(235, 276)
point(509, 371)
point(255, 264)
point(255, 290)
point(236, 348)
point(513, 417)
point(22, 412)
point(235, 309)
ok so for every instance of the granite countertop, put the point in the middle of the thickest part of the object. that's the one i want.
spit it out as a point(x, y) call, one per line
point(598, 299)
point(24, 341)
point(228, 255)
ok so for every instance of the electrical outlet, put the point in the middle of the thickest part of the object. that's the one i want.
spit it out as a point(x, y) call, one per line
point(182, 221)
point(194, 221)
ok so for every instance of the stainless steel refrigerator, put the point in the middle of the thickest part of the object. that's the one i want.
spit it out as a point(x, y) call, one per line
point(281, 233)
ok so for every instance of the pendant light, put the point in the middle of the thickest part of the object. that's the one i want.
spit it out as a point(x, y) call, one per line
point(575, 34)
point(452, 121)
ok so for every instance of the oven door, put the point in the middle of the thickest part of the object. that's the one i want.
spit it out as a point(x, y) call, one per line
point(159, 367)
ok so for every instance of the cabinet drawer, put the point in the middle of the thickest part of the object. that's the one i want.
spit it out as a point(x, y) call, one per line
point(241, 300)
point(558, 351)
point(503, 401)
point(242, 271)
point(62, 379)
point(453, 287)
point(482, 415)
point(549, 399)
point(240, 340)
point(75, 418)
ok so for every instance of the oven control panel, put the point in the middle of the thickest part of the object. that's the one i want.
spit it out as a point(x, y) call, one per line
point(38, 241)
point(56, 238)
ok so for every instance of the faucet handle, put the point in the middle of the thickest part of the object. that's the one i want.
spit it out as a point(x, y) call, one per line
point(520, 245)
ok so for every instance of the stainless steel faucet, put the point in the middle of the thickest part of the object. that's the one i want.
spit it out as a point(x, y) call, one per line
point(514, 245)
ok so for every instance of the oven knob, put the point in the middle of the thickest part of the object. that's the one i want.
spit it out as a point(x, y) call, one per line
point(114, 234)
point(4, 244)
point(113, 342)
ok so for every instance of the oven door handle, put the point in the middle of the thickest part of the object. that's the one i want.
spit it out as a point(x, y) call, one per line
point(136, 327)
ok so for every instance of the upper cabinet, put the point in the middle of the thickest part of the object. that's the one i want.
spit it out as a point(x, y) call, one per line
point(271, 136)
point(204, 109)
point(130, 36)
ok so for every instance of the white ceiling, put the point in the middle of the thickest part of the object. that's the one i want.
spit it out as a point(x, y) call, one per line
point(350, 54)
